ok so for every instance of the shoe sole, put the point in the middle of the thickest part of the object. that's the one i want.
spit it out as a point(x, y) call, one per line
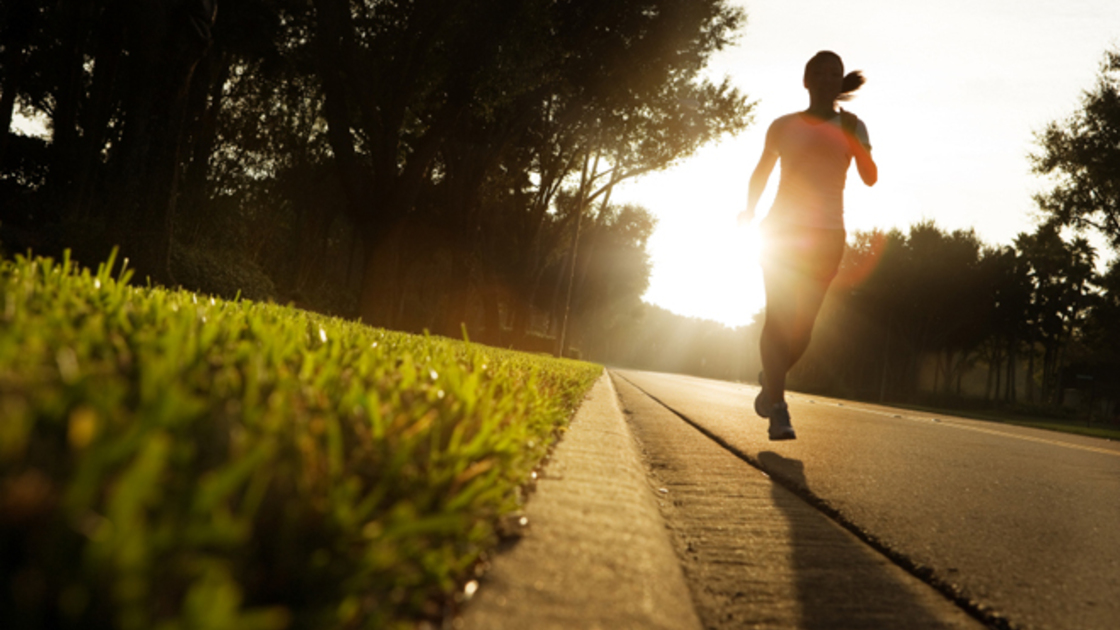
point(784, 435)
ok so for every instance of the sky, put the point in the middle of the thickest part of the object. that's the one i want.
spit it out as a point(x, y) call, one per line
point(956, 90)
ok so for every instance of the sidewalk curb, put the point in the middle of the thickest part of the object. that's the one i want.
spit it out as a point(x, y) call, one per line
point(597, 552)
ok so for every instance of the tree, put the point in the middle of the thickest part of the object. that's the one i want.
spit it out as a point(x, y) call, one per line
point(19, 23)
point(409, 85)
point(1102, 329)
point(111, 78)
point(900, 300)
point(437, 144)
point(611, 273)
point(1005, 274)
point(1082, 155)
point(164, 41)
point(1060, 274)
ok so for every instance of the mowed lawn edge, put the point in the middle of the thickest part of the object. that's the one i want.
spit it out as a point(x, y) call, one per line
point(169, 460)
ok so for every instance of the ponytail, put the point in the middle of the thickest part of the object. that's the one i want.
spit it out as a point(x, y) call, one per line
point(852, 82)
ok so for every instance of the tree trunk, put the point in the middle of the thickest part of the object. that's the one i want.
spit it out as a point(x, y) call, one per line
point(13, 64)
point(561, 335)
point(166, 40)
point(204, 107)
point(491, 315)
point(994, 368)
point(1011, 394)
point(379, 303)
point(333, 39)
point(95, 118)
point(1031, 394)
point(64, 149)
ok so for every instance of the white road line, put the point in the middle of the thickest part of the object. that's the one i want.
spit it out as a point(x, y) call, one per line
point(969, 427)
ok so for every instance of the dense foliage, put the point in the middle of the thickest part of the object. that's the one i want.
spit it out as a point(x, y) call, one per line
point(420, 164)
point(1081, 154)
point(172, 460)
point(903, 299)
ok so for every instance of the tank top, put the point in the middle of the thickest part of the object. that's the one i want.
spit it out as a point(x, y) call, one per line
point(814, 157)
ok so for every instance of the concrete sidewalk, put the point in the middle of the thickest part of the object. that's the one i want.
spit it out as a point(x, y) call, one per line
point(596, 554)
point(640, 520)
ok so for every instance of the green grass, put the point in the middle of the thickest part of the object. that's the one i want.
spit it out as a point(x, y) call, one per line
point(168, 460)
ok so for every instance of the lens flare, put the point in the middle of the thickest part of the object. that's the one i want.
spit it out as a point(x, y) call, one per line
point(861, 258)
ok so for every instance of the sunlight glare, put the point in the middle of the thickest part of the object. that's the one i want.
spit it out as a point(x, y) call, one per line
point(705, 265)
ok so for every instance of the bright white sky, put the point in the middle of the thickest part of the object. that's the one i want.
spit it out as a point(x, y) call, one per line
point(955, 91)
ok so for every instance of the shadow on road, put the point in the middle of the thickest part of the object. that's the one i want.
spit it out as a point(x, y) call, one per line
point(840, 582)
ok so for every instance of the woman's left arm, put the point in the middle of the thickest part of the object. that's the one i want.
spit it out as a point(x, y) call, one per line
point(868, 170)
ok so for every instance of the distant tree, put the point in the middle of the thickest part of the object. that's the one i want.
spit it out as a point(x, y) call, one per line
point(1005, 274)
point(1102, 328)
point(955, 302)
point(612, 273)
point(1082, 155)
point(660, 340)
point(1060, 275)
point(898, 301)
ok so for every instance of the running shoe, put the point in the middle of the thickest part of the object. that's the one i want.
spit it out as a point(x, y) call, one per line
point(762, 401)
point(780, 426)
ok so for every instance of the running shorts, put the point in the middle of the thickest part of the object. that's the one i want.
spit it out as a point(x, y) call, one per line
point(807, 251)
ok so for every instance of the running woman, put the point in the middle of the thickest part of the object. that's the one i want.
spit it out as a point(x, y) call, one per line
point(804, 230)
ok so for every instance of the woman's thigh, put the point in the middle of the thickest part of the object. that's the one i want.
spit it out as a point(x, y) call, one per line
point(798, 265)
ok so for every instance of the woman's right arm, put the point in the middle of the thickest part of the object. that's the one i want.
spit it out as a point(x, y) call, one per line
point(761, 175)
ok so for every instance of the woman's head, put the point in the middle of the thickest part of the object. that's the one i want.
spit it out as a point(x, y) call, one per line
point(824, 77)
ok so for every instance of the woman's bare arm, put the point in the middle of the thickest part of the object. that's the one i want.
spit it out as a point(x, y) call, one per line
point(868, 170)
point(760, 176)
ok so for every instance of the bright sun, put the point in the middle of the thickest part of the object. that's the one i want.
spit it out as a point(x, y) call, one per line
point(708, 271)
point(705, 265)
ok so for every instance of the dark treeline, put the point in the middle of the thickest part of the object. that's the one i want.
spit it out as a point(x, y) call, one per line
point(912, 315)
point(420, 164)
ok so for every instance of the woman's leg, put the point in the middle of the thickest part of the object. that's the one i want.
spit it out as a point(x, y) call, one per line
point(810, 297)
point(794, 295)
point(776, 346)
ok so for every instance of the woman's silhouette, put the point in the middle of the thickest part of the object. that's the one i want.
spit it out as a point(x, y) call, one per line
point(804, 230)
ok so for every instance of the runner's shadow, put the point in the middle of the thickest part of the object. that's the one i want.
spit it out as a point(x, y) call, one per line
point(841, 582)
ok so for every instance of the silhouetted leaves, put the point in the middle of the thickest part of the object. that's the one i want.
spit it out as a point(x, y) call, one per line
point(906, 301)
point(1082, 155)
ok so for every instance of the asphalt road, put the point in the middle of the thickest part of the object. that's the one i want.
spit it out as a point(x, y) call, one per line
point(1020, 524)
